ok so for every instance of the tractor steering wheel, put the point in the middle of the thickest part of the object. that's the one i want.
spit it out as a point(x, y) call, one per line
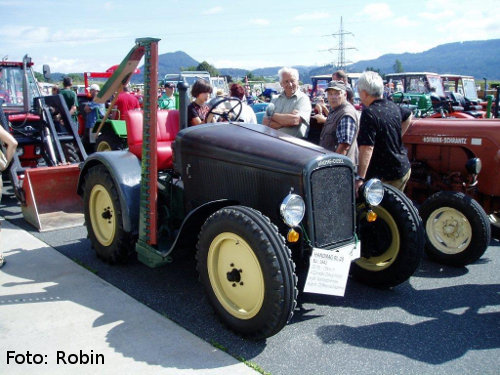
point(229, 109)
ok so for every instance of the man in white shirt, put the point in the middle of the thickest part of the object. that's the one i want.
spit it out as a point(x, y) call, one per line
point(292, 108)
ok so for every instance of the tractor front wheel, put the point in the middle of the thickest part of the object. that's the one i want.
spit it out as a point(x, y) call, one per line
point(103, 217)
point(247, 271)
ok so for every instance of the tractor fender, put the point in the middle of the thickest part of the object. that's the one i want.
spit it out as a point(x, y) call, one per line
point(125, 170)
point(194, 220)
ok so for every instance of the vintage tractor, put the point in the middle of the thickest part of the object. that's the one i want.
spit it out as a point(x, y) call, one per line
point(424, 93)
point(455, 169)
point(107, 134)
point(44, 171)
point(462, 91)
point(269, 214)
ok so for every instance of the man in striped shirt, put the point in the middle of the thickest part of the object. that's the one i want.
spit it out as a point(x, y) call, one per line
point(340, 128)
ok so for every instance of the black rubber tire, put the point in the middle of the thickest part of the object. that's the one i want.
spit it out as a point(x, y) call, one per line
point(391, 247)
point(71, 153)
point(109, 142)
point(272, 260)
point(111, 242)
point(474, 241)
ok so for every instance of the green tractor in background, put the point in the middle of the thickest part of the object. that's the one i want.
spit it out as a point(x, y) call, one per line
point(417, 90)
point(108, 134)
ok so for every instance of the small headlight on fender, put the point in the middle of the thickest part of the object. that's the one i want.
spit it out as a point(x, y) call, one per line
point(292, 210)
point(373, 191)
point(473, 165)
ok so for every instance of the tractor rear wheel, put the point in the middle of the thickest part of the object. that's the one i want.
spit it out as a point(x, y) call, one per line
point(103, 217)
point(458, 229)
point(391, 246)
point(247, 271)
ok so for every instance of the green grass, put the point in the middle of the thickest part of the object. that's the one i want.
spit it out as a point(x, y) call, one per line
point(250, 364)
point(85, 266)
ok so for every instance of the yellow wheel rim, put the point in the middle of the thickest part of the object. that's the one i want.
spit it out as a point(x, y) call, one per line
point(235, 275)
point(104, 146)
point(102, 215)
point(448, 230)
point(384, 260)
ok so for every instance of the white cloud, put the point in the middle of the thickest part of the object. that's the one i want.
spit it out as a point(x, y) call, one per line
point(246, 63)
point(213, 10)
point(405, 22)
point(432, 5)
point(64, 65)
point(312, 16)
point(259, 22)
point(27, 34)
point(34, 36)
point(463, 24)
point(441, 16)
point(378, 11)
point(297, 30)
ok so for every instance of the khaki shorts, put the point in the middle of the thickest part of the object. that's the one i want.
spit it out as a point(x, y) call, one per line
point(401, 182)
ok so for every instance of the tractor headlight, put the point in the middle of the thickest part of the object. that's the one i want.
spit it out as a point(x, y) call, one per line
point(292, 210)
point(473, 165)
point(373, 191)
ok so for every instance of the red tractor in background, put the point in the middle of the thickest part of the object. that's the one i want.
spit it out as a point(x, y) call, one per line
point(44, 170)
point(455, 179)
point(463, 90)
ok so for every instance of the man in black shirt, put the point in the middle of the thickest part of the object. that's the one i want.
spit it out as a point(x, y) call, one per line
point(381, 150)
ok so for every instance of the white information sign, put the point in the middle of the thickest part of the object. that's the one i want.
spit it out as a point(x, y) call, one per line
point(328, 269)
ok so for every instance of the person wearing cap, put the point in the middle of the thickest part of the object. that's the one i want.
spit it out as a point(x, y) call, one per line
point(382, 153)
point(292, 108)
point(93, 112)
point(340, 127)
point(340, 75)
point(167, 99)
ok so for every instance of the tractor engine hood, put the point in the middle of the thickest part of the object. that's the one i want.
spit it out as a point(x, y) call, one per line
point(256, 166)
point(253, 145)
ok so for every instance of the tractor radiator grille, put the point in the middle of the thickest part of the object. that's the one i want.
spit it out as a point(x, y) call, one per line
point(332, 205)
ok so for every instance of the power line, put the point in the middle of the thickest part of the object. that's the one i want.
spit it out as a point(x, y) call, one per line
point(341, 61)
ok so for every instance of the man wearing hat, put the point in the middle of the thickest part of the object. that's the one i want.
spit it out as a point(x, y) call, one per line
point(341, 127)
point(93, 112)
point(167, 99)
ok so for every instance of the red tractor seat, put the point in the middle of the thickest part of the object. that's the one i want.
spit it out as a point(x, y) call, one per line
point(167, 128)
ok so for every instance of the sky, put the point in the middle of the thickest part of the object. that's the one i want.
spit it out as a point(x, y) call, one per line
point(78, 36)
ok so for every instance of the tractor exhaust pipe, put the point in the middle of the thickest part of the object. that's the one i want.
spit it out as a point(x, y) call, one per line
point(182, 88)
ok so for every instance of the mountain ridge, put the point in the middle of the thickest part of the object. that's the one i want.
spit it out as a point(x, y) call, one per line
point(480, 58)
